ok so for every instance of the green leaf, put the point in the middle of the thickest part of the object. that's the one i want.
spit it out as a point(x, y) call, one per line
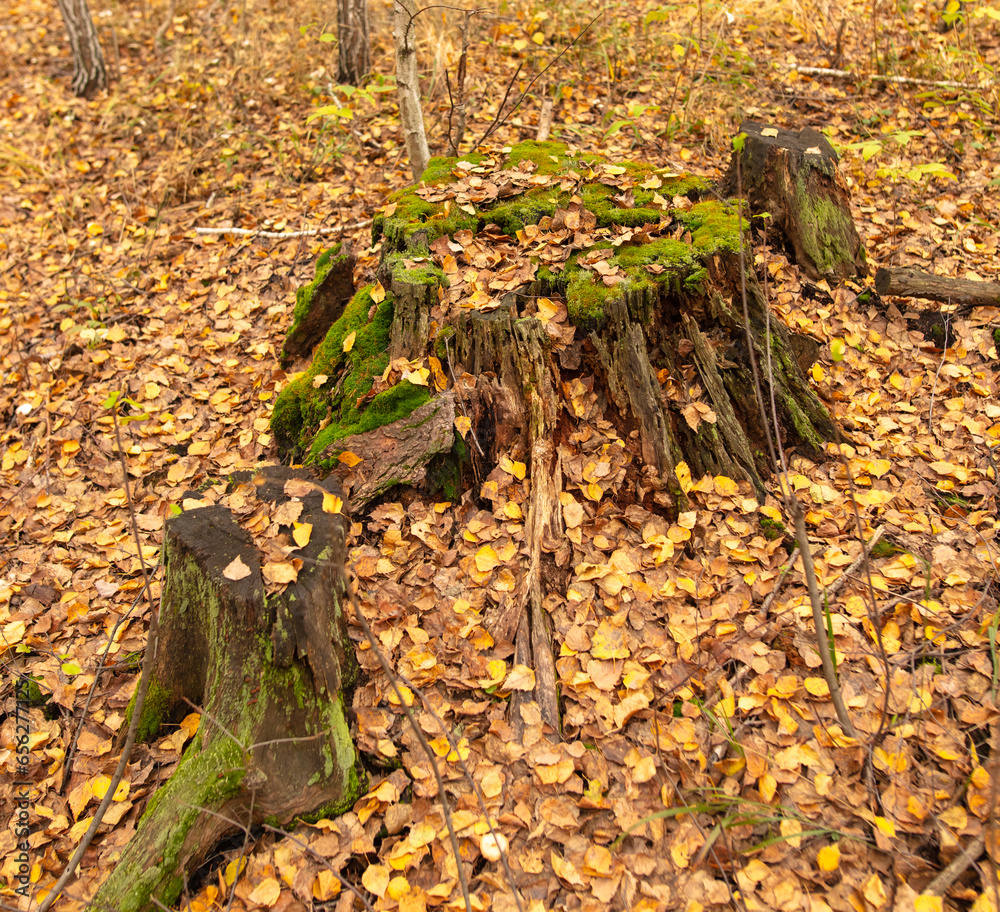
point(327, 37)
point(175, 509)
point(71, 668)
point(111, 401)
point(738, 141)
point(616, 126)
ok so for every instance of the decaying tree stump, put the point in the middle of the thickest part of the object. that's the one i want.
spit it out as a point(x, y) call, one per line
point(512, 280)
point(794, 178)
point(268, 675)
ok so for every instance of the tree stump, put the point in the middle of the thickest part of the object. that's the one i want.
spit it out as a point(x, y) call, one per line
point(549, 292)
point(267, 672)
point(794, 178)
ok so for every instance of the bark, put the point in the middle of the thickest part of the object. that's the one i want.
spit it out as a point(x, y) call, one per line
point(269, 677)
point(354, 46)
point(89, 71)
point(913, 283)
point(411, 115)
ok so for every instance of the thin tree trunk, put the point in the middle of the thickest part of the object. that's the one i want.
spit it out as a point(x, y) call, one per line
point(404, 35)
point(355, 59)
point(89, 71)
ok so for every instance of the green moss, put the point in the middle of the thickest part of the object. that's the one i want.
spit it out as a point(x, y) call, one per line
point(303, 406)
point(772, 529)
point(442, 342)
point(549, 157)
point(527, 209)
point(714, 227)
point(388, 406)
point(421, 274)
point(884, 548)
point(441, 170)
point(825, 231)
point(153, 709)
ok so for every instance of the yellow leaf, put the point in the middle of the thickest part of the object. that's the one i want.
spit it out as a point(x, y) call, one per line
point(828, 858)
point(266, 893)
point(280, 572)
point(301, 533)
point(928, 903)
point(463, 425)
point(99, 786)
point(497, 671)
point(349, 340)
point(517, 469)
point(725, 486)
point(332, 503)
point(378, 293)
point(349, 459)
point(486, 559)
point(538, 38)
point(683, 476)
point(886, 827)
point(398, 887)
point(326, 886)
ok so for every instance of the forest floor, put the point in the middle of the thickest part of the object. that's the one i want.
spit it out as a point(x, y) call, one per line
point(688, 675)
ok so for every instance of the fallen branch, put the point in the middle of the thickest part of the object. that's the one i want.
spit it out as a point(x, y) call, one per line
point(285, 235)
point(914, 283)
point(898, 80)
point(942, 883)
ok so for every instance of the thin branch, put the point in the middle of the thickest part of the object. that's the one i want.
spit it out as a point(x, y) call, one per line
point(285, 235)
point(497, 123)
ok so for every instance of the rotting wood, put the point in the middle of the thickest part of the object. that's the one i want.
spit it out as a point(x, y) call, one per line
point(915, 283)
point(268, 676)
point(793, 177)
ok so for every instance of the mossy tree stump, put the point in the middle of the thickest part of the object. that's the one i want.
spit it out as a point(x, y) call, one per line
point(534, 269)
point(268, 675)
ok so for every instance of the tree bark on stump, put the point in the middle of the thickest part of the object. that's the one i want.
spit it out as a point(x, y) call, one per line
point(268, 675)
point(794, 178)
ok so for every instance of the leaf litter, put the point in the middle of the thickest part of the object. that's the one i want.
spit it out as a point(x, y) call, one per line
point(701, 759)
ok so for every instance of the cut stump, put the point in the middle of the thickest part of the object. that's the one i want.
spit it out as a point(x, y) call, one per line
point(794, 178)
point(268, 675)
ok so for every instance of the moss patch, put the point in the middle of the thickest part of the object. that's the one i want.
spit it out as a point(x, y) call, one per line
point(308, 402)
point(388, 406)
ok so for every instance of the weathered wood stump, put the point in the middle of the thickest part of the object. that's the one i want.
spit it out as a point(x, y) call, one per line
point(268, 674)
point(794, 178)
point(547, 292)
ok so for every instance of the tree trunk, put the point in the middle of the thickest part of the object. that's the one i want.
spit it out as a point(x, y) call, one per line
point(404, 35)
point(558, 297)
point(354, 47)
point(89, 71)
point(268, 674)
